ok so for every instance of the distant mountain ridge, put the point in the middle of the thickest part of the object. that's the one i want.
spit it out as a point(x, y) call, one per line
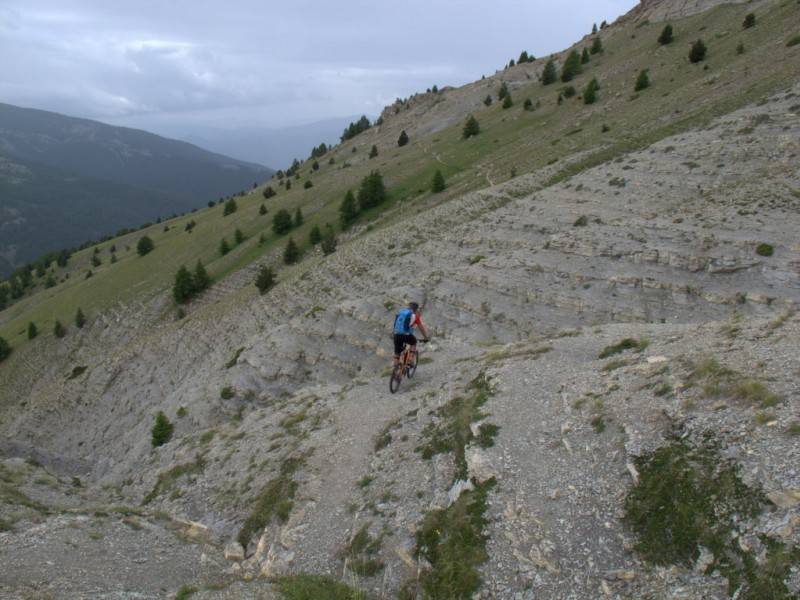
point(65, 180)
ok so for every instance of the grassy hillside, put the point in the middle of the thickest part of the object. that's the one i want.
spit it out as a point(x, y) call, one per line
point(555, 138)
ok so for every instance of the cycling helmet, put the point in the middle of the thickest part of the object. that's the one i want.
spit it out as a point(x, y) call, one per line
point(413, 305)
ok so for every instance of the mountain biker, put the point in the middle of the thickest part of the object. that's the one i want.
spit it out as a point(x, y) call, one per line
point(404, 324)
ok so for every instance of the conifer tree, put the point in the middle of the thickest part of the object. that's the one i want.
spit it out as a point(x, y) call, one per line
point(348, 210)
point(282, 222)
point(642, 81)
point(201, 279)
point(291, 253)
point(597, 46)
point(224, 247)
point(373, 152)
point(403, 139)
point(571, 66)
point(666, 35)
point(315, 235)
point(438, 182)
point(59, 330)
point(144, 245)
point(183, 288)
point(585, 56)
point(80, 319)
point(33, 331)
point(590, 92)
point(5, 349)
point(262, 210)
point(328, 243)
point(549, 75)
point(507, 101)
point(698, 52)
point(471, 128)
point(265, 279)
point(298, 217)
point(161, 431)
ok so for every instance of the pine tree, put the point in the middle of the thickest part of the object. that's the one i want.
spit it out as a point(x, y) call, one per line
point(328, 243)
point(183, 288)
point(265, 279)
point(161, 431)
point(282, 222)
point(373, 152)
point(144, 245)
point(298, 217)
point(348, 210)
point(590, 92)
point(224, 247)
point(507, 101)
point(749, 21)
point(403, 139)
point(698, 52)
point(438, 182)
point(229, 208)
point(642, 82)
point(33, 331)
point(262, 210)
point(503, 92)
point(549, 75)
point(5, 349)
point(291, 253)
point(666, 35)
point(238, 236)
point(471, 128)
point(59, 330)
point(585, 56)
point(315, 235)
point(80, 319)
point(597, 46)
point(372, 191)
point(571, 66)
point(201, 279)
point(488, 100)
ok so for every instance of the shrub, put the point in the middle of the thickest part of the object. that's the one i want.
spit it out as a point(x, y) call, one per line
point(161, 431)
point(328, 243)
point(144, 245)
point(226, 393)
point(269, 192)
point(765, 249)
point(749, 21)
point(265, 279)
point(698, 52)
point(5, 349)
point(581, 221)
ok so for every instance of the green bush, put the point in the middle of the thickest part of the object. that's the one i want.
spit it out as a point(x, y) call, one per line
point(161, 431)
point(765, 249)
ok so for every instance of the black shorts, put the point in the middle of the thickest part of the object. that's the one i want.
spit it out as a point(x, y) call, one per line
point(403, 338)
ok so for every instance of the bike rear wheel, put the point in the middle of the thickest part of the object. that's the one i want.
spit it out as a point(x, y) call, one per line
point(395, 378)
point(412, 365)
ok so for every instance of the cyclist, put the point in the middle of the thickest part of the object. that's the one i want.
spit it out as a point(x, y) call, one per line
point(404, 324)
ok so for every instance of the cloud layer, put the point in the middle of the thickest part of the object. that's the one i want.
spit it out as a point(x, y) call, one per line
point(266, 63)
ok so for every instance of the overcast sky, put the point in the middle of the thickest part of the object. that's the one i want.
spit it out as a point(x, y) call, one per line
point(165, 64)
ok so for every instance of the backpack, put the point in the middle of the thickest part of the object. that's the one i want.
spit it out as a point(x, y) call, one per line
point(402, 321)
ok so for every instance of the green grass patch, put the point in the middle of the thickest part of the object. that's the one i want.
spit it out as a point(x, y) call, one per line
point(317, 587)
point(690, 498)
point(360, 553)
point(453, 542)
point(167, 481)
point(622, 346)
point(275, 500)
point(452, 432)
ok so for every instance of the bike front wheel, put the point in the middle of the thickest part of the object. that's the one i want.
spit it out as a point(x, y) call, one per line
point(395, 378)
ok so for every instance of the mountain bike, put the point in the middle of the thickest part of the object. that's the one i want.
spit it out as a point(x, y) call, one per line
point(407, 366)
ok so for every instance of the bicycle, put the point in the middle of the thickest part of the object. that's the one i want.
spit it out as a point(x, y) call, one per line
point(407, 366)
